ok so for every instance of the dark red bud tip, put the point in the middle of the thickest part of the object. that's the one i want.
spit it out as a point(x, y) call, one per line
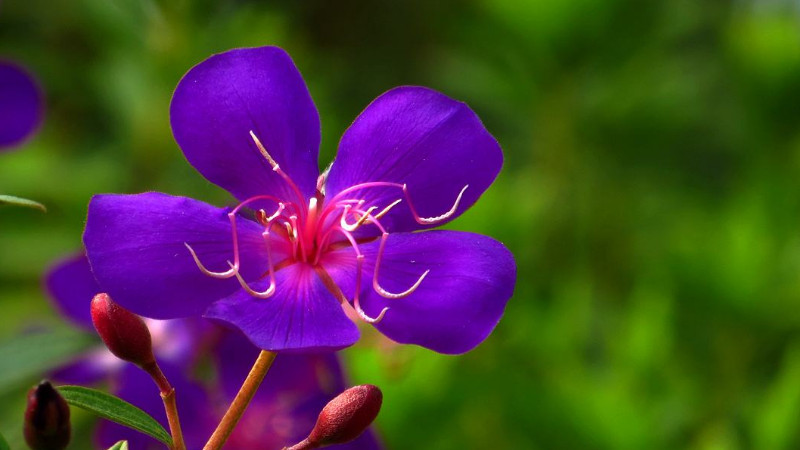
point(347, 416)
point(46, 419)
point(123, 332)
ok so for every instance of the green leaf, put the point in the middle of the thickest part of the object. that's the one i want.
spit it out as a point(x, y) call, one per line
point(31, 355)
point(114, 409)
point(3, 443)
point(19, 201)
point(121, 445)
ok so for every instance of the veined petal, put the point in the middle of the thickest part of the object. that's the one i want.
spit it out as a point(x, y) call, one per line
point(458, 303)
point(136, 246)
point(300, 316)
point(21, 104)
point(293, 393)
point(221, 100)
point(71, 286)
point(421, 138)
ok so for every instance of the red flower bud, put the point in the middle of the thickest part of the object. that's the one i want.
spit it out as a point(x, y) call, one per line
point(123, 332)
point(46, 419)
point(344, 418)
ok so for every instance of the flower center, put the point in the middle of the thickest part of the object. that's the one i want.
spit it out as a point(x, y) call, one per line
point(322, 225)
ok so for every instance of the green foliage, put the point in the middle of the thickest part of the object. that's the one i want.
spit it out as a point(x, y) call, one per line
point(121, 445)
point(3, 443)
point(650, 195)
point(19, 201)
point(31, 355)
point(112, 408)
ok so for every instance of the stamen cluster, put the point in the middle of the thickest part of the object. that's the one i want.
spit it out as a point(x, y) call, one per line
point(313, 228)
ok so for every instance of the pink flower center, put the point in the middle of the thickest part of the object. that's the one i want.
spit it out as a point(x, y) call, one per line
point(312, 229)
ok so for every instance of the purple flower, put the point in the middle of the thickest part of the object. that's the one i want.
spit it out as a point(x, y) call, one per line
point(175, 344)
point(286, 405)
point(21, 105)
point(282, 413)
point(300, 244)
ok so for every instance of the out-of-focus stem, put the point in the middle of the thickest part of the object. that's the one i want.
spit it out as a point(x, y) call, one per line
point(239, 404)
point(170, 405)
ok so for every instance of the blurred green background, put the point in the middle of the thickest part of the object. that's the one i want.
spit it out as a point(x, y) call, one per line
point(651, 196)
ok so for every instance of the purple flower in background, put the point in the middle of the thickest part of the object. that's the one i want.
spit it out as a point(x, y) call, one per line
point(281, 414)
point(176, 345)
point(21, 105)
point(300, 245)
point(286, 405)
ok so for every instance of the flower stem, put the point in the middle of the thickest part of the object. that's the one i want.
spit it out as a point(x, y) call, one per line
point(170, 406)
point(172, 417)
point(239, 404)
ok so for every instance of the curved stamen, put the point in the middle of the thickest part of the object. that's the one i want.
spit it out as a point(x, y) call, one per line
point(281, 207)
point(352, 227)
point(386, 210)
point(376, 285)
point(363, 315)
point(347, 205)
point(299, 244)
point(272, 287)
point(356, 297)
point(421, 220)
point(337, 292)
point(276, 168)
point(226, 274)
point(258, 197)
point(233, 271)
point(265, 294)
point(439, 218)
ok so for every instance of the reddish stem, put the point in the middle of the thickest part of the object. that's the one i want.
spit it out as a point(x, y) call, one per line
point(170, 405)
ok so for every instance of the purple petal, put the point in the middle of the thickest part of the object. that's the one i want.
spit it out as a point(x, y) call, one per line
point(458, 303)
point(301, 315)
point(178, 341)
point(71, 286)
point(135, 244)
point(421, 138)
point(219, 101)
point(135, 386)
point(21, 105)
point(293, 393)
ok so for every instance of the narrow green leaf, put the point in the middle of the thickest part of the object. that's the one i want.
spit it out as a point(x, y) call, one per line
point(121, 445)
point(3, 443)
point(19, 201)
point(31, 355)
point(114, 409)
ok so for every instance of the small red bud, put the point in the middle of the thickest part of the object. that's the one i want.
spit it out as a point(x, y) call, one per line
point(347, 416)
point(123, 332)
point(46, 419)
